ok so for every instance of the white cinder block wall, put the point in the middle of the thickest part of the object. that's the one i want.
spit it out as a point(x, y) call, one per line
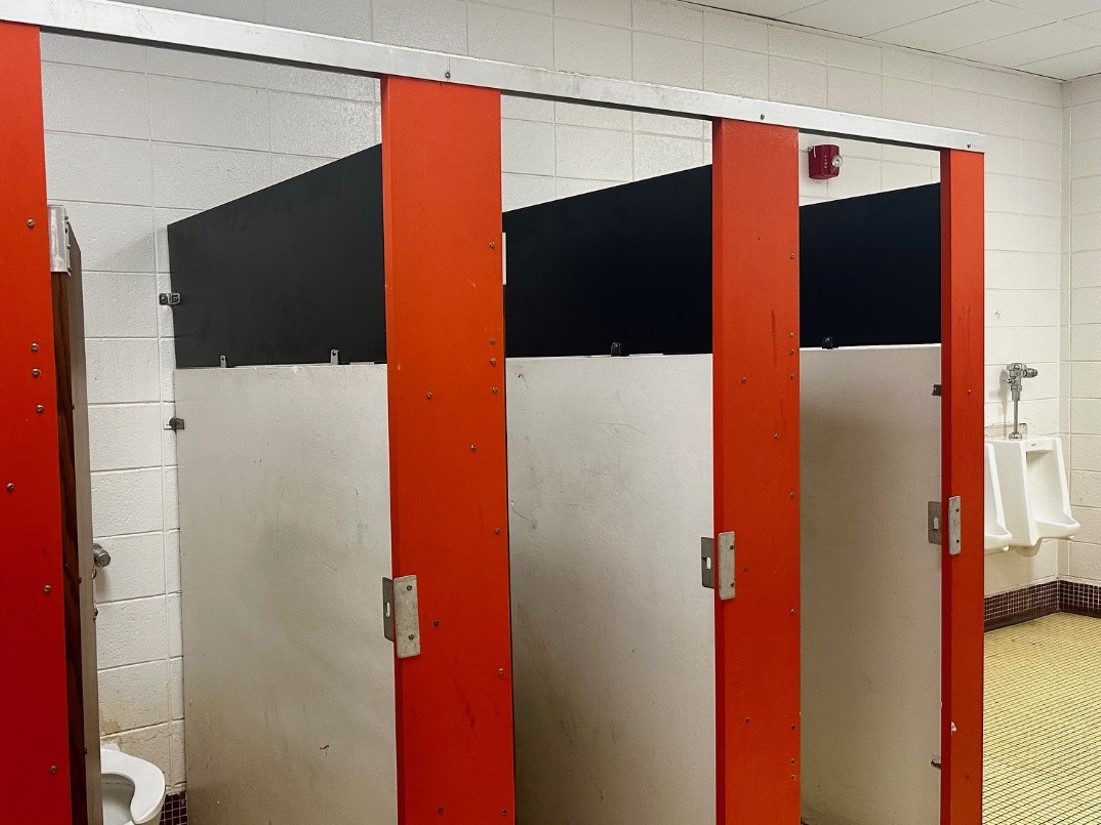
point(141, 137)
point(1082, 326)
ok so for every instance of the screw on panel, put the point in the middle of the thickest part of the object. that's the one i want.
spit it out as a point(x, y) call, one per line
point(493, 362)
point(492, 342)
point(500, 671)
point(492, 244)
point(34, 347)
point(39, 409)
point(497, 530)
point(447, 75)
point(493, 389)
point(53, 768)
point(473, 448)
point(11, 486)
point(36, 372)
point(47, 589)
point(30, 223)
point(428, 395)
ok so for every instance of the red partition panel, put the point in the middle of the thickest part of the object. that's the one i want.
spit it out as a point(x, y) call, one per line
point(756, 431)
point(962, 329)
point(441, 165)
point(35, 765)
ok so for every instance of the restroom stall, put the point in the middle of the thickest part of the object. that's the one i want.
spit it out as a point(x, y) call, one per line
point(452, 690)
point(285, 505)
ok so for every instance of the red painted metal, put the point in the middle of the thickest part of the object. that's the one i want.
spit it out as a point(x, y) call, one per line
point(449, 494)
point(35, 767)
point(756, 432)
point(962, 380)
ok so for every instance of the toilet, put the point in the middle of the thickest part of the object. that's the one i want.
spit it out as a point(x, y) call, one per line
point(1035, 495)
point(133, 789)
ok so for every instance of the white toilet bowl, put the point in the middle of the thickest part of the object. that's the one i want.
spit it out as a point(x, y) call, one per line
point(133, 789)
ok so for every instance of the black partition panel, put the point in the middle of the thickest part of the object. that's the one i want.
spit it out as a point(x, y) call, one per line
point(289, 273)
point(286, 274)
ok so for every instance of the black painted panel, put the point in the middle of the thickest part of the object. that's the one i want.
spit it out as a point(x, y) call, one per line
point(628, 265)
point(286, 274)
point(870, 269)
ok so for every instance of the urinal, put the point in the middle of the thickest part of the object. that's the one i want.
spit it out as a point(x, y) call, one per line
point(996, 534)
point(1035, 494)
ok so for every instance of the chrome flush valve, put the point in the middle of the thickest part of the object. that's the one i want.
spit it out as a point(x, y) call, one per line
point(1015, 374)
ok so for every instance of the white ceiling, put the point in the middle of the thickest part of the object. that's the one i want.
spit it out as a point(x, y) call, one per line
point(1055, 38)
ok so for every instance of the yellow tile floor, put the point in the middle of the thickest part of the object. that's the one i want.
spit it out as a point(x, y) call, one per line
point(1042, 742)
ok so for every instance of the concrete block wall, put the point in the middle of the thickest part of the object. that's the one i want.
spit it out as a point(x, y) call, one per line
point(1080, 558)
point(139, 137)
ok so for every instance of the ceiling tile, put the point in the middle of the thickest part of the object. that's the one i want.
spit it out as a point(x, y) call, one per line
point(861, 18)
point(765, 8)
point(1058, 8)
point(964, 27)
point(1068, 66)
point(1032, 45)
point(1093, 20)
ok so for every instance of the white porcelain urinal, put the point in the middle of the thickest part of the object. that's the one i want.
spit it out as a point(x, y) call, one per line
point(1035, 494)
point(996, 534)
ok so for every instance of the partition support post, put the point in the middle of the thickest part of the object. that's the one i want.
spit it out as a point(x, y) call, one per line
point(962, 330)
point(756, 433)
point(32, 592)
point(441, 162)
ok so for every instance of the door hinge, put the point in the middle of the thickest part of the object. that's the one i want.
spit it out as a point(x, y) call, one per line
point(175, 423)
point(169, 299)
point(936, 524)
point(717, 569)
point(401, 622)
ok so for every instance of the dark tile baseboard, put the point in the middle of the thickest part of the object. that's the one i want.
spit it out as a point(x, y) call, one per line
point(1016, 606)
point(1078, 597)
point(175, 809)
point(1022, 605)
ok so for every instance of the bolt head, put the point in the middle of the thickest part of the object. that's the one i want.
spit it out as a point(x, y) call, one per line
point(53, 768)
point(10, 486)
point(40, 409)
point(47, 589)
point(34, 347)
point(30, 223)
point(36, 372)
point(492, 244)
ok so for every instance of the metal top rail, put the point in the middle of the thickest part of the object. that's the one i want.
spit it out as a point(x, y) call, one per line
point(194, 32)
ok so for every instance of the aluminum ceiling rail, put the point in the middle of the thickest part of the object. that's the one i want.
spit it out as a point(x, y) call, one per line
point(194, 32)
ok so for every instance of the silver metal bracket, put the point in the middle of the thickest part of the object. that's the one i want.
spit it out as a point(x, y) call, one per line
point(936, 524)
point(954, 545)
point(718, 567)
point(169, 299)
point(401, 622)
point(59, 240)
point(334, 356)
point(222, 361)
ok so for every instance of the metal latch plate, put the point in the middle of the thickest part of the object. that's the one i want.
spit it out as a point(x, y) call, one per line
point(401, 615)
point(936, 524)
point(717, 569)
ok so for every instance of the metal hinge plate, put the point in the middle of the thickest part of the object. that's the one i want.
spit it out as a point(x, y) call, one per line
point(59, 240)
point(936, 524)
point(169, 299)
point(717, 569)
point(401, 622)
